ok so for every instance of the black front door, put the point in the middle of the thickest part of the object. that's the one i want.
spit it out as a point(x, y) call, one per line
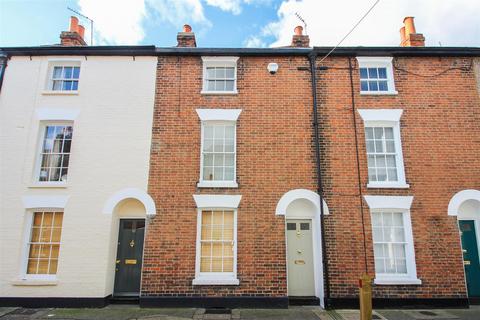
point(129, 257)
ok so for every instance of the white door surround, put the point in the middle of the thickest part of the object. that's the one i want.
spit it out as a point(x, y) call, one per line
point(305, 204)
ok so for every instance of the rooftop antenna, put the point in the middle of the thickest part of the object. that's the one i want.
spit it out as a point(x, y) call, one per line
point(91, 23)
point(301, 19)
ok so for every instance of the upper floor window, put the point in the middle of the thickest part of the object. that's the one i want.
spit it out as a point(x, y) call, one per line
point(218, 147)
point(62, 77)
point(219, 75)
point(376, 75)
point(384, 150)
point(55, 153)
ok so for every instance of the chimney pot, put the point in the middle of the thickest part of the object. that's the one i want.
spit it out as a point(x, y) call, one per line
point(81, 31)
point(409, 36)
point(298, 30)
point(409, 25)
point(73, 24)
point(187, 28)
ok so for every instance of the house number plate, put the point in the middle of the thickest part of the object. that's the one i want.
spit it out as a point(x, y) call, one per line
point(130, 261)
point(299, 261)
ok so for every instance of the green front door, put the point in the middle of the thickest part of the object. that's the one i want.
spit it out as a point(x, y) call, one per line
point(471, 259)
point(129, 257)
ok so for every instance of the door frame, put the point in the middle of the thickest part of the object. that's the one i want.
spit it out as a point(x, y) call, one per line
point(116, 251)
point(315, 216)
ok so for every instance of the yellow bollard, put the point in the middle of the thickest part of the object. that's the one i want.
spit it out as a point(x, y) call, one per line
point(365, 295)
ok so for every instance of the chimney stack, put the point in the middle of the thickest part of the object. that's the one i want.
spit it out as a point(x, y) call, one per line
point(186, 38)
point(73, 37)
point(300, 40)
point(409, 36)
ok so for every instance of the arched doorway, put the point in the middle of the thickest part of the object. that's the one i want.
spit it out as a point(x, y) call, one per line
point(466, 206)
point(129, 209)
point(301, 209)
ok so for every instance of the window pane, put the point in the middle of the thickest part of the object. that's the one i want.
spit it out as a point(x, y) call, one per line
point(218, 160)
point(390, 144)
point(229, 160)
point(363, 73)
point(229, 84)
point(382, 73)
point(76, 72)
point(372, 174)
point(67, 85)
point(229, 174)
point(379, 146)
point(373, 85)
point(220, 73)
point(392, 174)
point(57, 72)
point(208, 160)
point(208, 132)
point(211, 85)
point(218, 145)
point(230, 73)
point(67, 72)
point(219, 85)
point(219, 132)
point(370, 146)
point(372, 73)
point(397, 219)
point(377, 219)
point(208, 173)
point(382, 86)
point(369, 133)
point(378, 132)
point(228, 264)
point(379, 266)
point(380, 161)
point(391, 162)
point(210, 73)
point(377, 234)
point(363, 86)
point(218, 173)
point(208, 145)
point(229, 132)
point(74, 85)
point(57, 85)
point(381, 174)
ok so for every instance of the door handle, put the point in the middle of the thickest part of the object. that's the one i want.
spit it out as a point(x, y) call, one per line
point(118, 261)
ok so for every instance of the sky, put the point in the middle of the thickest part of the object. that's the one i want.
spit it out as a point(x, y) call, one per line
point(241, 23)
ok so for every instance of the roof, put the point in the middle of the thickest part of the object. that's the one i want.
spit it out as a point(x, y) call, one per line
point(285, 51)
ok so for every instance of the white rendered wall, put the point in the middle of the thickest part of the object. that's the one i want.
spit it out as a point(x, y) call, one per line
point(110, 151)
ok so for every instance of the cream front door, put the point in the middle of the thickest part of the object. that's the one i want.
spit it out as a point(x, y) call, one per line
point(300, 258)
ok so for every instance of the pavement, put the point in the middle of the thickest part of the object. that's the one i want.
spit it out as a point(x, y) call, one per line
point(132, 312)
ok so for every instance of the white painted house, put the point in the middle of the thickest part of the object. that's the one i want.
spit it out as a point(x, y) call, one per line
point(75, 135)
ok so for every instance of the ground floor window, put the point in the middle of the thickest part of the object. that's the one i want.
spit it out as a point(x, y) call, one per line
point(44, 243)
point(217, 242)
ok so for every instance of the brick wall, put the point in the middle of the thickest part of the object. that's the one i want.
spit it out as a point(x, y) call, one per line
point(274, 155)
point(439, 130)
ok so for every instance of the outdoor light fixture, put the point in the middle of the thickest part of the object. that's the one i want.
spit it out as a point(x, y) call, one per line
point(272, 67)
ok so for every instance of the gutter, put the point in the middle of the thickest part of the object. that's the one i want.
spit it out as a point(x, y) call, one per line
point(313, 58)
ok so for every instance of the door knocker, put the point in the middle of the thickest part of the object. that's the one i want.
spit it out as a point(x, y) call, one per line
point(132, 243)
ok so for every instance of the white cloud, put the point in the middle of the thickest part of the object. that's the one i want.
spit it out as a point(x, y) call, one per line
point(178, 12)
point(451, 22)
point(234, 6)
point(115, 21)
point(254, 42)
point(120, 21)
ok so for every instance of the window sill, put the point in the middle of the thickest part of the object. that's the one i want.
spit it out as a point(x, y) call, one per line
point(378, 93)
point(60, 93)
point(48, 185)
point(228, 93)
point(217, 184)
point(215, 281)
point(388, 185)
point(396, 281)
point(34, 282)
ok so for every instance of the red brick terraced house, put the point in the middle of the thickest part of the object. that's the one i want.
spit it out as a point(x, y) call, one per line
point(276, 176)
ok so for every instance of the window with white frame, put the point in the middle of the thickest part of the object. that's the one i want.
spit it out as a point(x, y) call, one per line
point(216, 258)
point(392, 239)
point(218, 151)
point(216, 241)
point(64, 78)
point(383, 146)
point(55, 152)
point(218, 147)
point(219, 75)
point(44, 243)
point(376, 75)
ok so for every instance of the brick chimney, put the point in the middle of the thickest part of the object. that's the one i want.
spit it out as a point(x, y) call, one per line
point(73, 37)
point(408, 35)
point(186, 38)
point(300, 40)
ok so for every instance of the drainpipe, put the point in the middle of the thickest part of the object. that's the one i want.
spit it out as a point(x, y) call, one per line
point(3, 66)
point(313, 58)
